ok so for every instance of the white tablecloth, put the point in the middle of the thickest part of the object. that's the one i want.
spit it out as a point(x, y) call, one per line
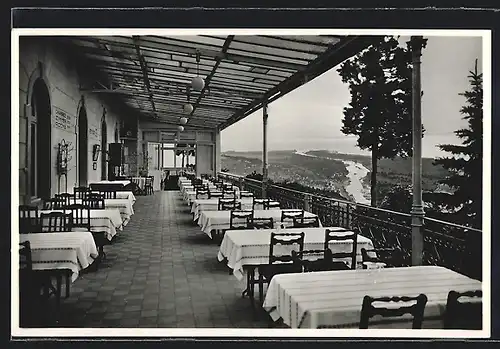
point(107, 221)
point(124, 206)
point(334, 298)
point(122, 182)
point(219, 220)
point(126, 195)
point(251, 247)
point(190, 188)
point(200, 205)
point(67, 250)
point(140, 181)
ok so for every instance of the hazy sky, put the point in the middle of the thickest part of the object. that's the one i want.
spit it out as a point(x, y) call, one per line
point(310, 117)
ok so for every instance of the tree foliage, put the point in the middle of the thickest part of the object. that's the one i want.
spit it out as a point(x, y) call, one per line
point(380, 110)
point(465, 164)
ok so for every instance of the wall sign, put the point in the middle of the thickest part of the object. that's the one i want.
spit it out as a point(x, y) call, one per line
point(94, 132)
point(63, 120)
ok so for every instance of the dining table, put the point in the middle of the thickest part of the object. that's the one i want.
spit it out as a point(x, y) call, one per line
point(107, 221)
point(244, 248)
point(122, 182)
point(219, 220)
point(199, 205)
point(333, 299)
point(73, 250)
point(124, 206)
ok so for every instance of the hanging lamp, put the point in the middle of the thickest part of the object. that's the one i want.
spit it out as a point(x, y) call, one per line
point(188, 107)
point(184, 120)
point(197, 83)
point(180, 128)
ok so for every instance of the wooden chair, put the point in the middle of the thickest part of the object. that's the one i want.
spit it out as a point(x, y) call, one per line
point(229, 205)
point(259, 202)
point(291, 214)
point(226, 204)
point(108, 194)
point(262, 223)
point(54, 222)
point(95, 201)
point(29, 219)
point(81, 192)
point(270, 204)
point(81, 216)
point(149, 187)
point(303, 222)
point(29, 288)
point(368, 311)
point(386, 257)
point(339, 257)
point(202, 194)
point(67, 198)
point(280, 263)
point(214, 194)
point(55, 203)
point(313, 260)
point(240, 219)
point(464, 315)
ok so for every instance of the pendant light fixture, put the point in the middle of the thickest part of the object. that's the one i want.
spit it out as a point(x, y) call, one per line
point(197, 83)
point(188, 107)
point(184, 120)
point(180, 128)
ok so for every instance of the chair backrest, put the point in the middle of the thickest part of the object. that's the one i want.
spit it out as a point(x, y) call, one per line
point(81, 192)
point(240, 219)
point(80, 214)
point(214, 194)
point(259, 202)
point(106, 186)
point(246, 194)
point(465, 314)
point(95, 201)
point(270, 204)
point(310, 260)
point(290, 214)
point(149, 181)
point(66, 198)
point(226, 204)
point(55, 203)
point(306, 222)
point(229, 194)
point(202, 193)
point(25, 259)
point(342, 236)
point(56, 222)
point(108, 194)
point(368, 310)
point(285, 239)
point(263, 223)
point(391, 257)
point(29, 219)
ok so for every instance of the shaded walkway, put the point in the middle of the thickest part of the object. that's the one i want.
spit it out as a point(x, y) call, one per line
point(161, 271)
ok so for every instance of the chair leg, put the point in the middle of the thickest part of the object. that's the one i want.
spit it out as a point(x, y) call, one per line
point(68, 281)
point(261, 288)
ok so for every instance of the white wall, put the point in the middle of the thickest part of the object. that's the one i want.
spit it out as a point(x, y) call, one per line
point(61, 78)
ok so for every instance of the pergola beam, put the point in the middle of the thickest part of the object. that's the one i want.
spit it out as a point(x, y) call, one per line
point(145, 77)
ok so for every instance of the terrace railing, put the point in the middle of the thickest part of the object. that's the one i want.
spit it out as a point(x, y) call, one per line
point(445, 244)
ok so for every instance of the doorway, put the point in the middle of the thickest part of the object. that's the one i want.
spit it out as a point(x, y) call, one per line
point(82, 147)
point(40, 134)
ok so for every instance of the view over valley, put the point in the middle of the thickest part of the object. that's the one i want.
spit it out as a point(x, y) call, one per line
point(345, 174)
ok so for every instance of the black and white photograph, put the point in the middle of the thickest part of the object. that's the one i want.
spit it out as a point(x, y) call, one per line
point(317, 182)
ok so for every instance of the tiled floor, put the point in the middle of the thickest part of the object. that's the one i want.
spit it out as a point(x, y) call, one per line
point(161, 271)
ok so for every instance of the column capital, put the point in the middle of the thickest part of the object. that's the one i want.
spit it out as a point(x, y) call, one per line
point(417, 43)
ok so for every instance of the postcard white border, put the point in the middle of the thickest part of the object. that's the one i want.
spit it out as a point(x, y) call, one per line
point(200, 332)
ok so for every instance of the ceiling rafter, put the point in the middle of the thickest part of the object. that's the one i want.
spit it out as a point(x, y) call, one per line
point(144, 68)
